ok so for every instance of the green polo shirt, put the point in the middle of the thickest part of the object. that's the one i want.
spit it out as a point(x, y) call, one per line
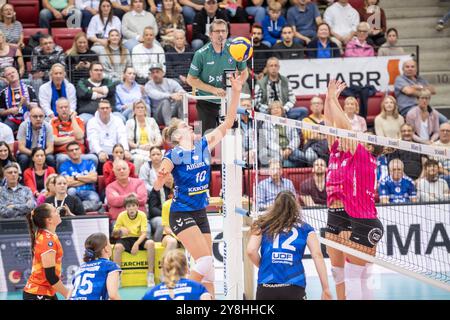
point(208, 66)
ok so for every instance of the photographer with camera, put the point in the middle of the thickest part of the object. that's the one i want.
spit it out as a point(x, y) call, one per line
point(65, 204)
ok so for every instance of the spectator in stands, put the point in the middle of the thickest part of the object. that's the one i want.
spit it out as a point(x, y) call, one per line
point(412, 161)
point(343, 20)
point(202, 20)
point(256, 9)
point(81, 177)
point(315, 144)
point(305, 17)
point(80, 57)
point(61, 199)
point(408, 87)
point(391, 48)
point(128, 92)
point(259, 58)
point(397, 187)
point(358, 46)
point(149, 170)
point(269, 188)
point(273, 24)
point(131, 229)
point(389, 121)
point(444, 141)
point(169, 20)
point(10, 56)
point(246, 126)
point(36, 175)
point(279, 142)
point(272, 87)
point(190, 8)
point(431, 188)
point(351, 109)
point(93, 90)
point(100, 25)
point(67, 127)
point(88, 9)
point(6, 136)
point(321, 46)
point(104, 131)
point(55, 10)
point(287, 48)
point(114, 56)
point(312, 190)
point(33, 133)
point(179, 56)
point(16, 200)
point(124, 185)
point(121, 7)
point(166, 96)
point(11, 28)
point(118, 153)
point(424, 120)
point(49, 189)
point(6, 157)
point(58, 87)
point(146, 53)
point(43, 57)
point(155, 201)
point(143, 134)
point(443, 21)
point(16, 99)
point(373, 14)
point(134, 23)
point(234, 10)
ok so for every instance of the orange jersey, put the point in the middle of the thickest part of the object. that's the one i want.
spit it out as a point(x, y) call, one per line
point(37, 283)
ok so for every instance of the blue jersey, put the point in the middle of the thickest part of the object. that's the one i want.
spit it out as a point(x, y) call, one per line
point(398, 191)
point(89, 283)
point(191, 174)
point(70, 169)
point(281, 257)
point(185, 289)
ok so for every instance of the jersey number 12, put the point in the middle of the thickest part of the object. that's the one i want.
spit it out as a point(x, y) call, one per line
point(287, 243)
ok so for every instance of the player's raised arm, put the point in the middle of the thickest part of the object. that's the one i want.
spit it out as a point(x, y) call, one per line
point(217, 134)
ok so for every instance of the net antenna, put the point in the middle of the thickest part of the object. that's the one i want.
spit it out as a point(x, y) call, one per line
point(416, 233)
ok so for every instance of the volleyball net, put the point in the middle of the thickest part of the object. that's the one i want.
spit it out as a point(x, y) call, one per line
point(411, 193)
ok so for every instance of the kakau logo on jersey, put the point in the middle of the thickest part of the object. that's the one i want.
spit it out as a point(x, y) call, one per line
point(282, 257)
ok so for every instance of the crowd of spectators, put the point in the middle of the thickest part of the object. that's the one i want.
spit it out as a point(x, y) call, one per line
point(98, 108)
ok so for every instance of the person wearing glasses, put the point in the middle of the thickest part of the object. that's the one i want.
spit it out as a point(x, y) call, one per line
point(207, 71)
point(33, 133)
point(424, 120)
point(358, 46)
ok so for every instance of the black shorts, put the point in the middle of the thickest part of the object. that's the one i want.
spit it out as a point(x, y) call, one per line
point(280, 292)
point(367, 232)
point(129, 242)
point(182, 220)
point(31, 296)
point(338, 221)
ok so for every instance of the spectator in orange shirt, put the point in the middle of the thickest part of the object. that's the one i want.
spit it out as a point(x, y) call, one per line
point(68, 127)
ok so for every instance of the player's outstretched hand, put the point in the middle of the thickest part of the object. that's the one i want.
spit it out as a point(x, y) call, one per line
point(340, 87)
point(236, 81)
point(162, 173)
point(326, 295)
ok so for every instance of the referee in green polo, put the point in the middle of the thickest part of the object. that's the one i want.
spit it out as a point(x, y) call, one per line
point(207, 71)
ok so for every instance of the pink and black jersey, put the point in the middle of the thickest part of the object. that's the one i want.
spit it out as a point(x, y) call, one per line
point(335, 175)
point(359, 184)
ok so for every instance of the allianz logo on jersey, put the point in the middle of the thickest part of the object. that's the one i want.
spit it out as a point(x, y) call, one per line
point(282, 257)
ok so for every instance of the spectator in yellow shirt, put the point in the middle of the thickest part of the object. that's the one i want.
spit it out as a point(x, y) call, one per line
point(131, 229)
point(169, 239)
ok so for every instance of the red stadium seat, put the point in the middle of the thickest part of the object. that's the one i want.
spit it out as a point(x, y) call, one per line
point(28, 32)
point(58, 23)
point(27, 12)
point(64, 36)
point(189, 33)
point(216, 183)
point(192, 112)
point(240, 30)
point(374, 107)
point(297, 176)
point(357, 4)
point(16, 147)
point(100, 184)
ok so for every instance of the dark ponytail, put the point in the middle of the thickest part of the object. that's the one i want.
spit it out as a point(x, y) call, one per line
point(36, 218)
point(94, 245)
